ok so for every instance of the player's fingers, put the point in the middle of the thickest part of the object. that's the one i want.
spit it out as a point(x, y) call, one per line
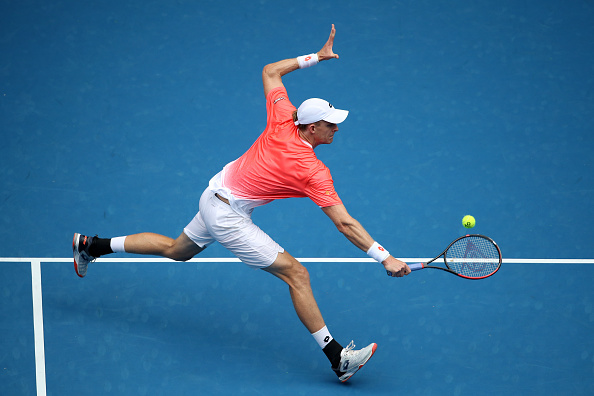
point(400, 273)
point(330, 42)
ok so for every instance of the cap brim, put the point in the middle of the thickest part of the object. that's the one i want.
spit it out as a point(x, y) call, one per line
point(337, 116)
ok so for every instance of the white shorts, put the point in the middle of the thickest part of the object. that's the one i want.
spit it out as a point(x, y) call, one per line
point(217, 221)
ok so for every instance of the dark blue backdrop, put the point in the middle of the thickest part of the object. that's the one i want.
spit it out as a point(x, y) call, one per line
point(115, 114)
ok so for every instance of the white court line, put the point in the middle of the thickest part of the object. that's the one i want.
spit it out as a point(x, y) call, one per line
point(38, 326)
point(303, 260)
point(38, 304)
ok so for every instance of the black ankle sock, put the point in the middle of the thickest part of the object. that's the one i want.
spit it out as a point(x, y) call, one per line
point(332, 351)
point(100, 247)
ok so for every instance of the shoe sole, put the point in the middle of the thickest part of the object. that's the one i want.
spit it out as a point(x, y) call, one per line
point(75, 240)
point(373, 348)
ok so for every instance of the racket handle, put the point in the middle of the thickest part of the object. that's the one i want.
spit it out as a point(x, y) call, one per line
point(412, 266)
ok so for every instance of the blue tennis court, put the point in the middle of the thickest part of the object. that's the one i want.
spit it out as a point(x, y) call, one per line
point(114, 116)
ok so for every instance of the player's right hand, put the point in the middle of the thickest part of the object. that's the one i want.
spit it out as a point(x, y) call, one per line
point(395, 267)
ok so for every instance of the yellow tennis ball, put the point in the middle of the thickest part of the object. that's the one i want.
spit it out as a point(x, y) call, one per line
point(468, 221)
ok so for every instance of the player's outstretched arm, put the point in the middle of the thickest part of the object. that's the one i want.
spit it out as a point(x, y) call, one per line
point(355, 233)
point(273, 72)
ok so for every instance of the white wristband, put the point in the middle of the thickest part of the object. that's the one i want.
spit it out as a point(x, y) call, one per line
point(307, 60)
point(377, 252)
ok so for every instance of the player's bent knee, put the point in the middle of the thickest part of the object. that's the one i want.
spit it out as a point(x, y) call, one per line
point(300, 276)
point(290, 271)
point(184, 255)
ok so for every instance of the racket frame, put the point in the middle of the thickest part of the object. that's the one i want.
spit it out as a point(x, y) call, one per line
point(418, 266)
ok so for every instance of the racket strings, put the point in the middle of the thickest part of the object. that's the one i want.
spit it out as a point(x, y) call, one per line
point(473, 257)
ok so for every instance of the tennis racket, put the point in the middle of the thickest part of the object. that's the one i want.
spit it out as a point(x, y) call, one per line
point(470, 257)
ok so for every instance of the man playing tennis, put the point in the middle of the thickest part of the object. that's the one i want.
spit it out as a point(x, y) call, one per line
point(280, 164)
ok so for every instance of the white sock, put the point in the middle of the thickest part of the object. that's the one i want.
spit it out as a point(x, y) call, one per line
point(117, 244)
point(322, 337)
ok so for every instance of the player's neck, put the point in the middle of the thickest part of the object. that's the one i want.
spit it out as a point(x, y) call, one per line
point(308, 138)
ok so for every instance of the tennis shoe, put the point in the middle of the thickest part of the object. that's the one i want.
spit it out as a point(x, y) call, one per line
point(351, 361)
point(80, 249)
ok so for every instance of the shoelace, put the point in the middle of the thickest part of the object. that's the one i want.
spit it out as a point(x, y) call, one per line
point(350, 347)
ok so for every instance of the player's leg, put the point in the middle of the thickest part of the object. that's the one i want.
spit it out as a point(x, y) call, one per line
point(256, 249)
point(345, 361)
point(192, 241)
point(180, 249)
point(86, 249)
point(294, 274)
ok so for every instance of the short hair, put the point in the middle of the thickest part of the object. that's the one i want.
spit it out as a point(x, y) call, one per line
point(303, 127)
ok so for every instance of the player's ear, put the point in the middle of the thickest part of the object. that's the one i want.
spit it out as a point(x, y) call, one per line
point(314, 126)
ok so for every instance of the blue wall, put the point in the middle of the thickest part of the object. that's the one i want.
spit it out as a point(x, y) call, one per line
point(114, 115)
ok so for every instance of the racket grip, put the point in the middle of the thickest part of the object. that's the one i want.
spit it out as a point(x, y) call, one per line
point(413, 267)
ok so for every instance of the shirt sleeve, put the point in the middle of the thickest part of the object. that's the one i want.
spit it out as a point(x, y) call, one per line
point(320, 189)
point(278, 106)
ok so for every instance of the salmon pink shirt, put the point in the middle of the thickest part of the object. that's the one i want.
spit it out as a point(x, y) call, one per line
point(280, 164)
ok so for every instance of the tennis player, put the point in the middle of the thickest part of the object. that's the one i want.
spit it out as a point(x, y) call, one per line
point(280, 164)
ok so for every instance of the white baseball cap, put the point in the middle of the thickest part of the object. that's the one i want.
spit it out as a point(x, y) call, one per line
point(314, 110)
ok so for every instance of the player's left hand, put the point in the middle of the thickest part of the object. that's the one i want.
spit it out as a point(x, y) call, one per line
point(326, 52)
